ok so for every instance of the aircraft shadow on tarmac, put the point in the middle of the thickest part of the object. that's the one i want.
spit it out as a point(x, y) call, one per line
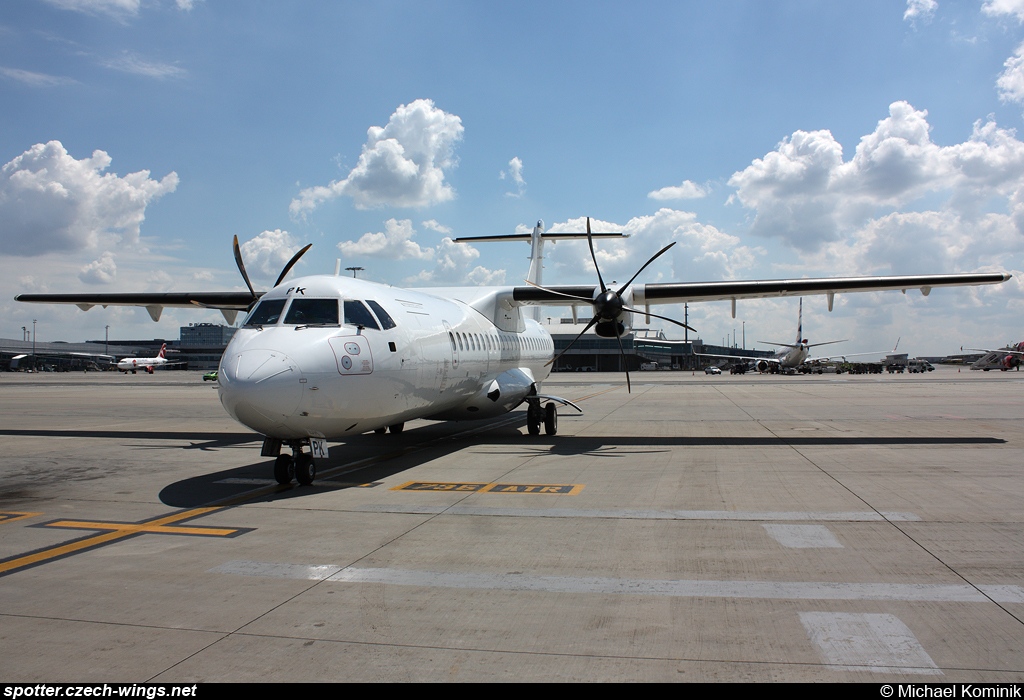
point(393, 454)
point(611, 446)
point(197, 440)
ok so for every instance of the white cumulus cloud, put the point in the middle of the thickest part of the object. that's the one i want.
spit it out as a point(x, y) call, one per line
point(515, 173)
point(1011, 80)
point(402, 164)
point(394, 243)
point(1001, 8)
point(686, 190)
point(920, 9)
point(267, 254)
point(455, 264)
point(101, 271)
point(806, 194)
point(433, 225)
point(49, 201)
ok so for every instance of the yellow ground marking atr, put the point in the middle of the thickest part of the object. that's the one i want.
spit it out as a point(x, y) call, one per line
point(555, 489)
point(114, 531)
point(9, 516)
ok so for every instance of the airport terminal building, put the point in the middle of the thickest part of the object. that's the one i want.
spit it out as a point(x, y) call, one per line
point(200, 346)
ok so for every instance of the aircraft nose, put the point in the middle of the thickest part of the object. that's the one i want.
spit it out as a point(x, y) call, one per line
point(260, 388)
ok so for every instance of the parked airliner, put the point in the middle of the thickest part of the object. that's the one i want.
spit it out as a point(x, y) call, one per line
point(1004, 359)
point(324, 357)
point(131, 364)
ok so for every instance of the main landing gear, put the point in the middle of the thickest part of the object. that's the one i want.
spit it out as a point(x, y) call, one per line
point(537, 414)
point(299, 465)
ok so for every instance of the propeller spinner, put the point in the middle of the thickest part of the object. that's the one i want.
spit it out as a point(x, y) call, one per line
point(609, 305)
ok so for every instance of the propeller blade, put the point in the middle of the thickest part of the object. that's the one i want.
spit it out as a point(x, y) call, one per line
point(291, 264)
point(663, 318)
point(590, 325)
point(653, 258)
point(625, 364)
point(593, 256)
point(241, 268)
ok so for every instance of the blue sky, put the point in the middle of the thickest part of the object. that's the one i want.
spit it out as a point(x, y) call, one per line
point(769, 139)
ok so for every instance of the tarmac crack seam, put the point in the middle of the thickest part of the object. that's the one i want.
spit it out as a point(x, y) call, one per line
point(899, 529)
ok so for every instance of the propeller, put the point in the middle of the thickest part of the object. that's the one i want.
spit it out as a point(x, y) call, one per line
point(280, 278)
point(608, 305)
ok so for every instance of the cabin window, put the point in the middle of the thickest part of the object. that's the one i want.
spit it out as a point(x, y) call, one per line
point(310, 312)
point(386, 322)
point(356, 314)
point(266, 313)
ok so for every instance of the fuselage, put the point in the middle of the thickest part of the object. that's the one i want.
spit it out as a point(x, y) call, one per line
point(328, 357)
point(794, 357)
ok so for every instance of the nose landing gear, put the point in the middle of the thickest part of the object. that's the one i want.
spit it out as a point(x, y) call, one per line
point(299, 465)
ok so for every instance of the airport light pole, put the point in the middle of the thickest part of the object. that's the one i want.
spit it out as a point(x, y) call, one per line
point(106, 340)
point(33, 343)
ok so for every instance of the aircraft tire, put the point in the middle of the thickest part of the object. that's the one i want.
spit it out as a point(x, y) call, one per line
point(305, 469)
point(283, 469)
point(397, 428)
point(534, 416)
point(550, 419)
point(380, 431)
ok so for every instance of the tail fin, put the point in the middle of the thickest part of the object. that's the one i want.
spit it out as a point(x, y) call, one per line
point(800, 323)
point(163, 351)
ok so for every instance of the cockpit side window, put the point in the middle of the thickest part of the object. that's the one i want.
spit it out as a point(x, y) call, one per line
point(356, 314)
point(313, 312)
point(266, 313)
point(386, 322)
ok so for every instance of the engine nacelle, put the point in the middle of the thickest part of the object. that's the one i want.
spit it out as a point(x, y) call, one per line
point(763, 366)
point(499, 396)
point(610, 329)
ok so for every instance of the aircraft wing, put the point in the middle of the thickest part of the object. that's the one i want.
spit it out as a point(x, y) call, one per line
point(229, 303)
point(680, 292)
point(745, 358)
point(1002, 351)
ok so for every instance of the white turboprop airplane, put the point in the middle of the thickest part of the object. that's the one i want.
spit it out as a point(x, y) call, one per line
point(326, 357)
point(132, 364)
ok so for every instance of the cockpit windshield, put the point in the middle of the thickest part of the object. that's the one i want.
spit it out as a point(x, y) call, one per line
point(318, 312)
point(310, 312)
point(266, 313)
point(356, 314)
